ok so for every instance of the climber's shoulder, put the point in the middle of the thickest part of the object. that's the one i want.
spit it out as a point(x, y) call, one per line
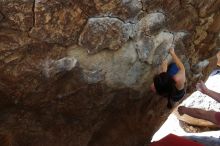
point(180, 78)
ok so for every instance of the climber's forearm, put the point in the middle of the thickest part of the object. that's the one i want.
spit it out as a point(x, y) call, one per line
point(200, 114)
point(214, 95)
point(195, 112)
point(164, 65)
point(177, 61)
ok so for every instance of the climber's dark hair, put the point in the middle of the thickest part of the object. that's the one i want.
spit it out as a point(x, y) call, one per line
point(165, 86)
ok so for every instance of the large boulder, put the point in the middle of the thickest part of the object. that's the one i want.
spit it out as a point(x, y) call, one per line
point(78, 72)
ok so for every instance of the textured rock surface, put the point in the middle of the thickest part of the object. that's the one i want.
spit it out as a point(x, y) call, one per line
point(104, 33)
point(78, 72)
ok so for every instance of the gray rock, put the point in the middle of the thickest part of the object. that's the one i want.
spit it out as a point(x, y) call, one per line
point(134, 7)
point(144, 47)
point(121, 68)
point(92, 77)
point(148, 23)
point(52, 67)
point(104, 33)
point(200, 66)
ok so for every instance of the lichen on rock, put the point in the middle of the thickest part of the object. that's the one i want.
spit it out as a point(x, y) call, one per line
point(104, 33)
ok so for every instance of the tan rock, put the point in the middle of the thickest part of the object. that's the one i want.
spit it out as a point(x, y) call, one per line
point(22, 63)
point(124, 9)
point(215, 26)
point(54, 24)
point(18, 14)
point(12, 40)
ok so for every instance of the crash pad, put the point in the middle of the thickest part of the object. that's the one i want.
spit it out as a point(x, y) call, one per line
point(173, 140)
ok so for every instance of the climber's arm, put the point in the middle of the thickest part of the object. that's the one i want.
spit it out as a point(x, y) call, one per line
point(180, 77)
point(163, 67)
point(202, 88)
point(177, 60)
point(214, 95)
point(199, 113)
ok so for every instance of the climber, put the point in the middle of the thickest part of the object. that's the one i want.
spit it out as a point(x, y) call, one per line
point(170, 81)
point(211, 116)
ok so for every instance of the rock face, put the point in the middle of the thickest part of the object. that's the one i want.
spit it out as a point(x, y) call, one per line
point(78, 72)
point(103, 33)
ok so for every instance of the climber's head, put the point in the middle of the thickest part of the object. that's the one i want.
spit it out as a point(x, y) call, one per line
point(164, 84)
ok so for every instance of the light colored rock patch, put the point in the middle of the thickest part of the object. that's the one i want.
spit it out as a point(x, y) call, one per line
point(144, 47)
point(163, 41)
point(179, 36)
point(197, 69)
point(104, 33)
point(112, 33)
point(52, 67)
point(146, 24)
point(125, 70)
point(40, 1)
point(126, 66)
point(117, 69)
point(155, 48)
point(151, 41)
point(163, 37)
point(134, 6)
point(93, 76)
